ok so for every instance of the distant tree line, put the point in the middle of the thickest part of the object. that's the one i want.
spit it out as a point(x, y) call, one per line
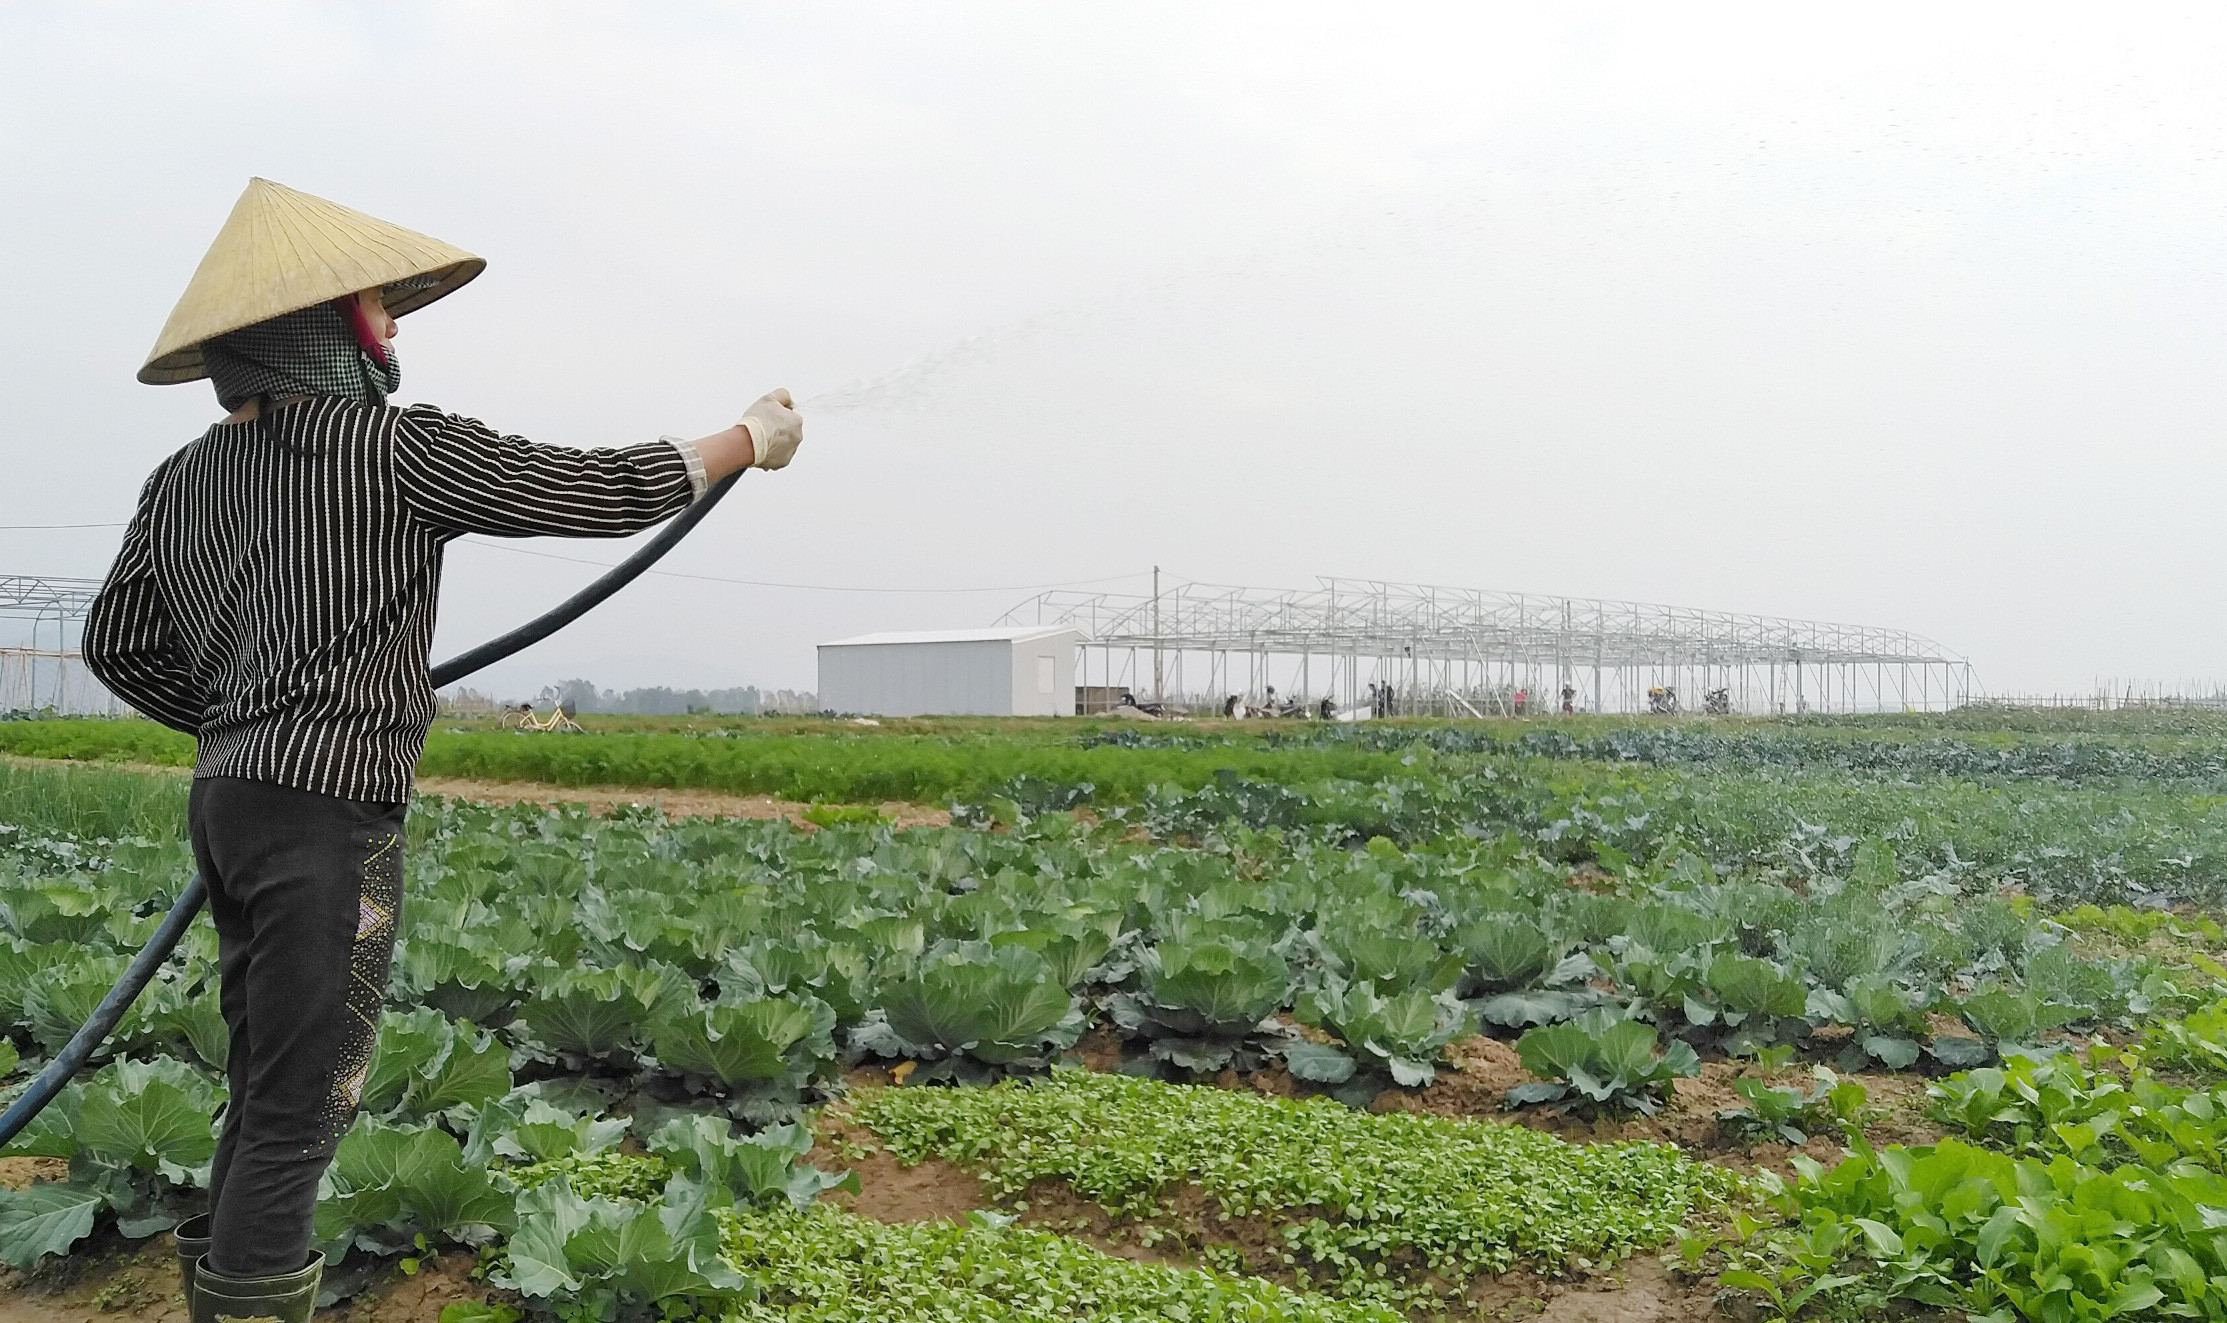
point(749, 700)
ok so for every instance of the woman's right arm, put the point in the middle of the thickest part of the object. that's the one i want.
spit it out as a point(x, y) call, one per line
point(464, 477)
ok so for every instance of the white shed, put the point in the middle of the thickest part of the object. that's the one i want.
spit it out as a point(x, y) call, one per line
point(1007, 671)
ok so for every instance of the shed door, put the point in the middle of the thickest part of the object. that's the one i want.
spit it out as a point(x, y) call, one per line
point(1043, 675)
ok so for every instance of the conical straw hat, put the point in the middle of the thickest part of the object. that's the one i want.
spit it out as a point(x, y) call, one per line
point(281, 251)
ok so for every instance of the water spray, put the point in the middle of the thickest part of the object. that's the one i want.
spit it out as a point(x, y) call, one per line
point(65, 1065)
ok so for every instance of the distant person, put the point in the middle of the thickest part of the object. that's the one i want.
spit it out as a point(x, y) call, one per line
point(1569, 699)
point(1229, 706)
point(274, 598)
point(1328, 711)
point(1522, 697)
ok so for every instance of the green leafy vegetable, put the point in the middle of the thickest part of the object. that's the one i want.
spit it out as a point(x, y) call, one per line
point(389, 1184)
point(749, 1170)
point(604, 1253)
point(138, 1139)
point(1204, 1004)
point(1601, 1059)
point(1000, 1006)
point(1397, 1039)
point(828, 1266)
point(1453, 1198)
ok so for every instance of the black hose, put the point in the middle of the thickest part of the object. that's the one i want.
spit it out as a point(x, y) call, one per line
point(577, 605)
point(96, 1029)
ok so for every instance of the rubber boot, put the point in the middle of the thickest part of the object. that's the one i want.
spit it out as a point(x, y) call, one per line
point(287, 1298)
point(191, 1239)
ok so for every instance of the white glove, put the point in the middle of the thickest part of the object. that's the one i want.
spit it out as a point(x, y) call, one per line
point(776, 429)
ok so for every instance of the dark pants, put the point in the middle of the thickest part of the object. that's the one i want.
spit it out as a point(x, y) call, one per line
point(306, 891)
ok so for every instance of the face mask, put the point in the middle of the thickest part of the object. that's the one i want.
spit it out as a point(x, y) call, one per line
point(315, 351)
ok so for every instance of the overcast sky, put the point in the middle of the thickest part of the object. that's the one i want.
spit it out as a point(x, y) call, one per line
point(1909, 317)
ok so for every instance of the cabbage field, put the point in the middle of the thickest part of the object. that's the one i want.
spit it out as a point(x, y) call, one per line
point(1837, 1018)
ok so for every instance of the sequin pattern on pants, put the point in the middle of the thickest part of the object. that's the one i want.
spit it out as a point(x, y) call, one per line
point(378, 911)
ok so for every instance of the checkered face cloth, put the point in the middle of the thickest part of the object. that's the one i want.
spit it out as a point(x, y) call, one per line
point(310, 352)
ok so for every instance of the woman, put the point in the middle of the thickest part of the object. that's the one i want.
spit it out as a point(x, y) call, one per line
point(274, 597)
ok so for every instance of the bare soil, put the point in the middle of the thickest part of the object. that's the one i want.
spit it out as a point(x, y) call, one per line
point(1484, 1069)
point(930, 1191)
point(15, 1173)
point(1638, 1291)
point(118, 1280)
point(675, 803)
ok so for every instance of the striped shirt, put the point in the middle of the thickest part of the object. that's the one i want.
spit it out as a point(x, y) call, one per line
point(274, 596)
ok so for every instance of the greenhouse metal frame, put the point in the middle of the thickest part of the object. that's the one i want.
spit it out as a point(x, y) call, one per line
point(1469, 652)
point(47, 673)
point(48, 601)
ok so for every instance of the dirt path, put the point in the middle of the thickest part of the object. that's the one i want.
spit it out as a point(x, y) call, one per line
point(676, 803)
point(596, 799)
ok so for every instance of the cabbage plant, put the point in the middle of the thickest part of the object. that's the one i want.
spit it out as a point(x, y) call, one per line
point(138, 1139)
point(460, 975)
point(994, 1006)
point(760, 1053)
point(1601, 1059)
point(583, 1015)
point(757, 1170)
point(1385, 1040)
point(1206, 1005)
point(609, 1258)
point(391, 1185)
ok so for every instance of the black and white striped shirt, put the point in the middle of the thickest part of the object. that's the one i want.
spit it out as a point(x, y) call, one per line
point(275, 594)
